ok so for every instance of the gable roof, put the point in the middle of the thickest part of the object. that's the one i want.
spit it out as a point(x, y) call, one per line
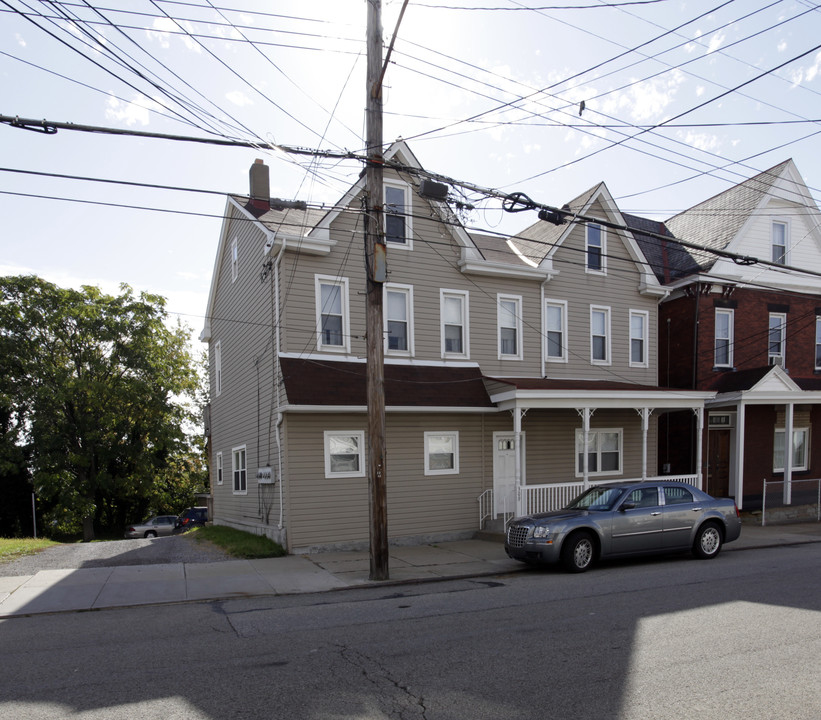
point(668, 259)
point(717, 221)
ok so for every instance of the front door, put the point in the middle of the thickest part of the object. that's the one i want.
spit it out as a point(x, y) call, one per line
point(718, 469)
point(504, 474)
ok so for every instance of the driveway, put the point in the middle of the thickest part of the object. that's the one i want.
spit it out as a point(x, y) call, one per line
point(116, 553)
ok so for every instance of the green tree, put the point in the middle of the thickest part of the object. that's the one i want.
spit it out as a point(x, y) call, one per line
point(102, 392)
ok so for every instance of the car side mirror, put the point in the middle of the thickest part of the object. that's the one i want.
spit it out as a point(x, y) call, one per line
point(627, 506)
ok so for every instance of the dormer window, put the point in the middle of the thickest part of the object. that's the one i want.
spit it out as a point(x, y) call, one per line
point(398, 226)
point(595, 248)
point(779, 242)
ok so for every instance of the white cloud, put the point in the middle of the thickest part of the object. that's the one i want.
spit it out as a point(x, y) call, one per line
point(716, 41)
point(131, 113)
point(238, 98)
point(646, 101)
point(20, 41)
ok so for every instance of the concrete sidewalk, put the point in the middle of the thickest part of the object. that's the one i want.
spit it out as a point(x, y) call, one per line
point(96, 588)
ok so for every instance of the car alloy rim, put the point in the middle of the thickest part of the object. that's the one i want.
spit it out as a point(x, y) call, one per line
point(709, 540)
point(583, 553)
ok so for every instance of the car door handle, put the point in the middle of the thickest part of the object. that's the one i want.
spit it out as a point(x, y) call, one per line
point(697, 509)
point(655, 513)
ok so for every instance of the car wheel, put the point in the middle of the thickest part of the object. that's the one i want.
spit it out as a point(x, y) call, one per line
point(150, 534)
point(578, 552)
point(708, 541)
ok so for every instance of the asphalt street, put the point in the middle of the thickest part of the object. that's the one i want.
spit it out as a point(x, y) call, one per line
point(737, 637)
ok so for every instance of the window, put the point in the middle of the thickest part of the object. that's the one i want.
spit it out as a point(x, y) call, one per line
point(644, 497)
point(595, 248)
point(332, 313)
point(398, 319)
point(218, 367)
point(555, 318)
point(345, 453)
point(603, 452)
point(818, 343)
point(724, 338)
point(239, 470)
point(639, 322)
point(509, 320)
point(776, 338)
point(454, 315)
point(234, 260)
point(675, 495)
point(599, 335)
point(799, 449)
point(779, 242)
point(441, 453)
point(397, 216)
point(219, 468)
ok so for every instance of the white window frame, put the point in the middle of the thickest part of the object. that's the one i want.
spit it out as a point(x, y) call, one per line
point(602, 247)
point(730, 332)
point(517, 324)
point(454, 437)
point(607, 336)
point(562, 306)
point(781, 330)
point(218, 367)
point(645, 318)
point(234, 260)
point(239, 471)
point(359, 435)
point(406, 213)
point(342, 283)
point(594, 438)
point(219, 469)
point(407, 292)
point(463, 296)
point(818, 342)
point(780, 254)
point(805, 432)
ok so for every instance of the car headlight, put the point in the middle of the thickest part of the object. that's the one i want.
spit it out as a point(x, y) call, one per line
point(541, 531)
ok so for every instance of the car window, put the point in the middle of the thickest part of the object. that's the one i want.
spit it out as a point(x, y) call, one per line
point(597, 498)
point(677, 495)
point(644, 497)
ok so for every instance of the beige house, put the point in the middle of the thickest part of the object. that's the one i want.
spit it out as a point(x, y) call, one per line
point(504, 358)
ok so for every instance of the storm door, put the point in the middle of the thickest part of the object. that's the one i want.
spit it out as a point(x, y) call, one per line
point(504, 473)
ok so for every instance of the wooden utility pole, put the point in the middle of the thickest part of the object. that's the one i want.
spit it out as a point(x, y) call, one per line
point(375, 266)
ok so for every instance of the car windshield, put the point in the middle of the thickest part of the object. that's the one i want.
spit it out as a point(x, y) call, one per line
point(597, 498)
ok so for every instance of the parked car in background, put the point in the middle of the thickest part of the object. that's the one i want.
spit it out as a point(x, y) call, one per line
point(190, 518)
point(152, 527)
point(623, 519)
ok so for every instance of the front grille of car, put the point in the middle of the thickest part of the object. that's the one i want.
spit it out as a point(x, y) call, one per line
point(517, 535)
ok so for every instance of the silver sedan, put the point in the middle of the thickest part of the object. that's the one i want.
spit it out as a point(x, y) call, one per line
point(623, 519)
point(152, 527)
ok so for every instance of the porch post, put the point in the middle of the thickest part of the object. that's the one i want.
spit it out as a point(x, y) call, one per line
point(585, 413)
point(521, 508)
point(739, 455)
point(645, 426)
point(788, 422)
point(699, 411)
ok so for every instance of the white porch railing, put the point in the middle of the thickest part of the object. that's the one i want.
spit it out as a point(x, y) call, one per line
point(554, 496)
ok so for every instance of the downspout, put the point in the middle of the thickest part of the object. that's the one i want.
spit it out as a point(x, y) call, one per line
point(695, 358)
point(277, 378)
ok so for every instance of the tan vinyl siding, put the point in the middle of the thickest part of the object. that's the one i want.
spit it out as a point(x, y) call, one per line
point(551, 454)
point(241, 414)
point(335, 510)
point(618, 290)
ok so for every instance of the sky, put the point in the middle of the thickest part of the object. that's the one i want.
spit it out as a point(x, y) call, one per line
point(682, 99)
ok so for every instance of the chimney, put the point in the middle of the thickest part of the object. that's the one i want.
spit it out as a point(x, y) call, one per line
point(260, 185)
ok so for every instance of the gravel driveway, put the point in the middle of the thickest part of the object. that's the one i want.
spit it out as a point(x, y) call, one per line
point(114, 553)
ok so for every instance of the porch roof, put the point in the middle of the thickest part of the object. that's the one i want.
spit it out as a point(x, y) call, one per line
point(765, 386)
point(313, 384)
point(552, 393)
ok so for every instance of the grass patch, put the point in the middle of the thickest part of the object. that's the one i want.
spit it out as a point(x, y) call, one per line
point(13, 548)
point(238, 543)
